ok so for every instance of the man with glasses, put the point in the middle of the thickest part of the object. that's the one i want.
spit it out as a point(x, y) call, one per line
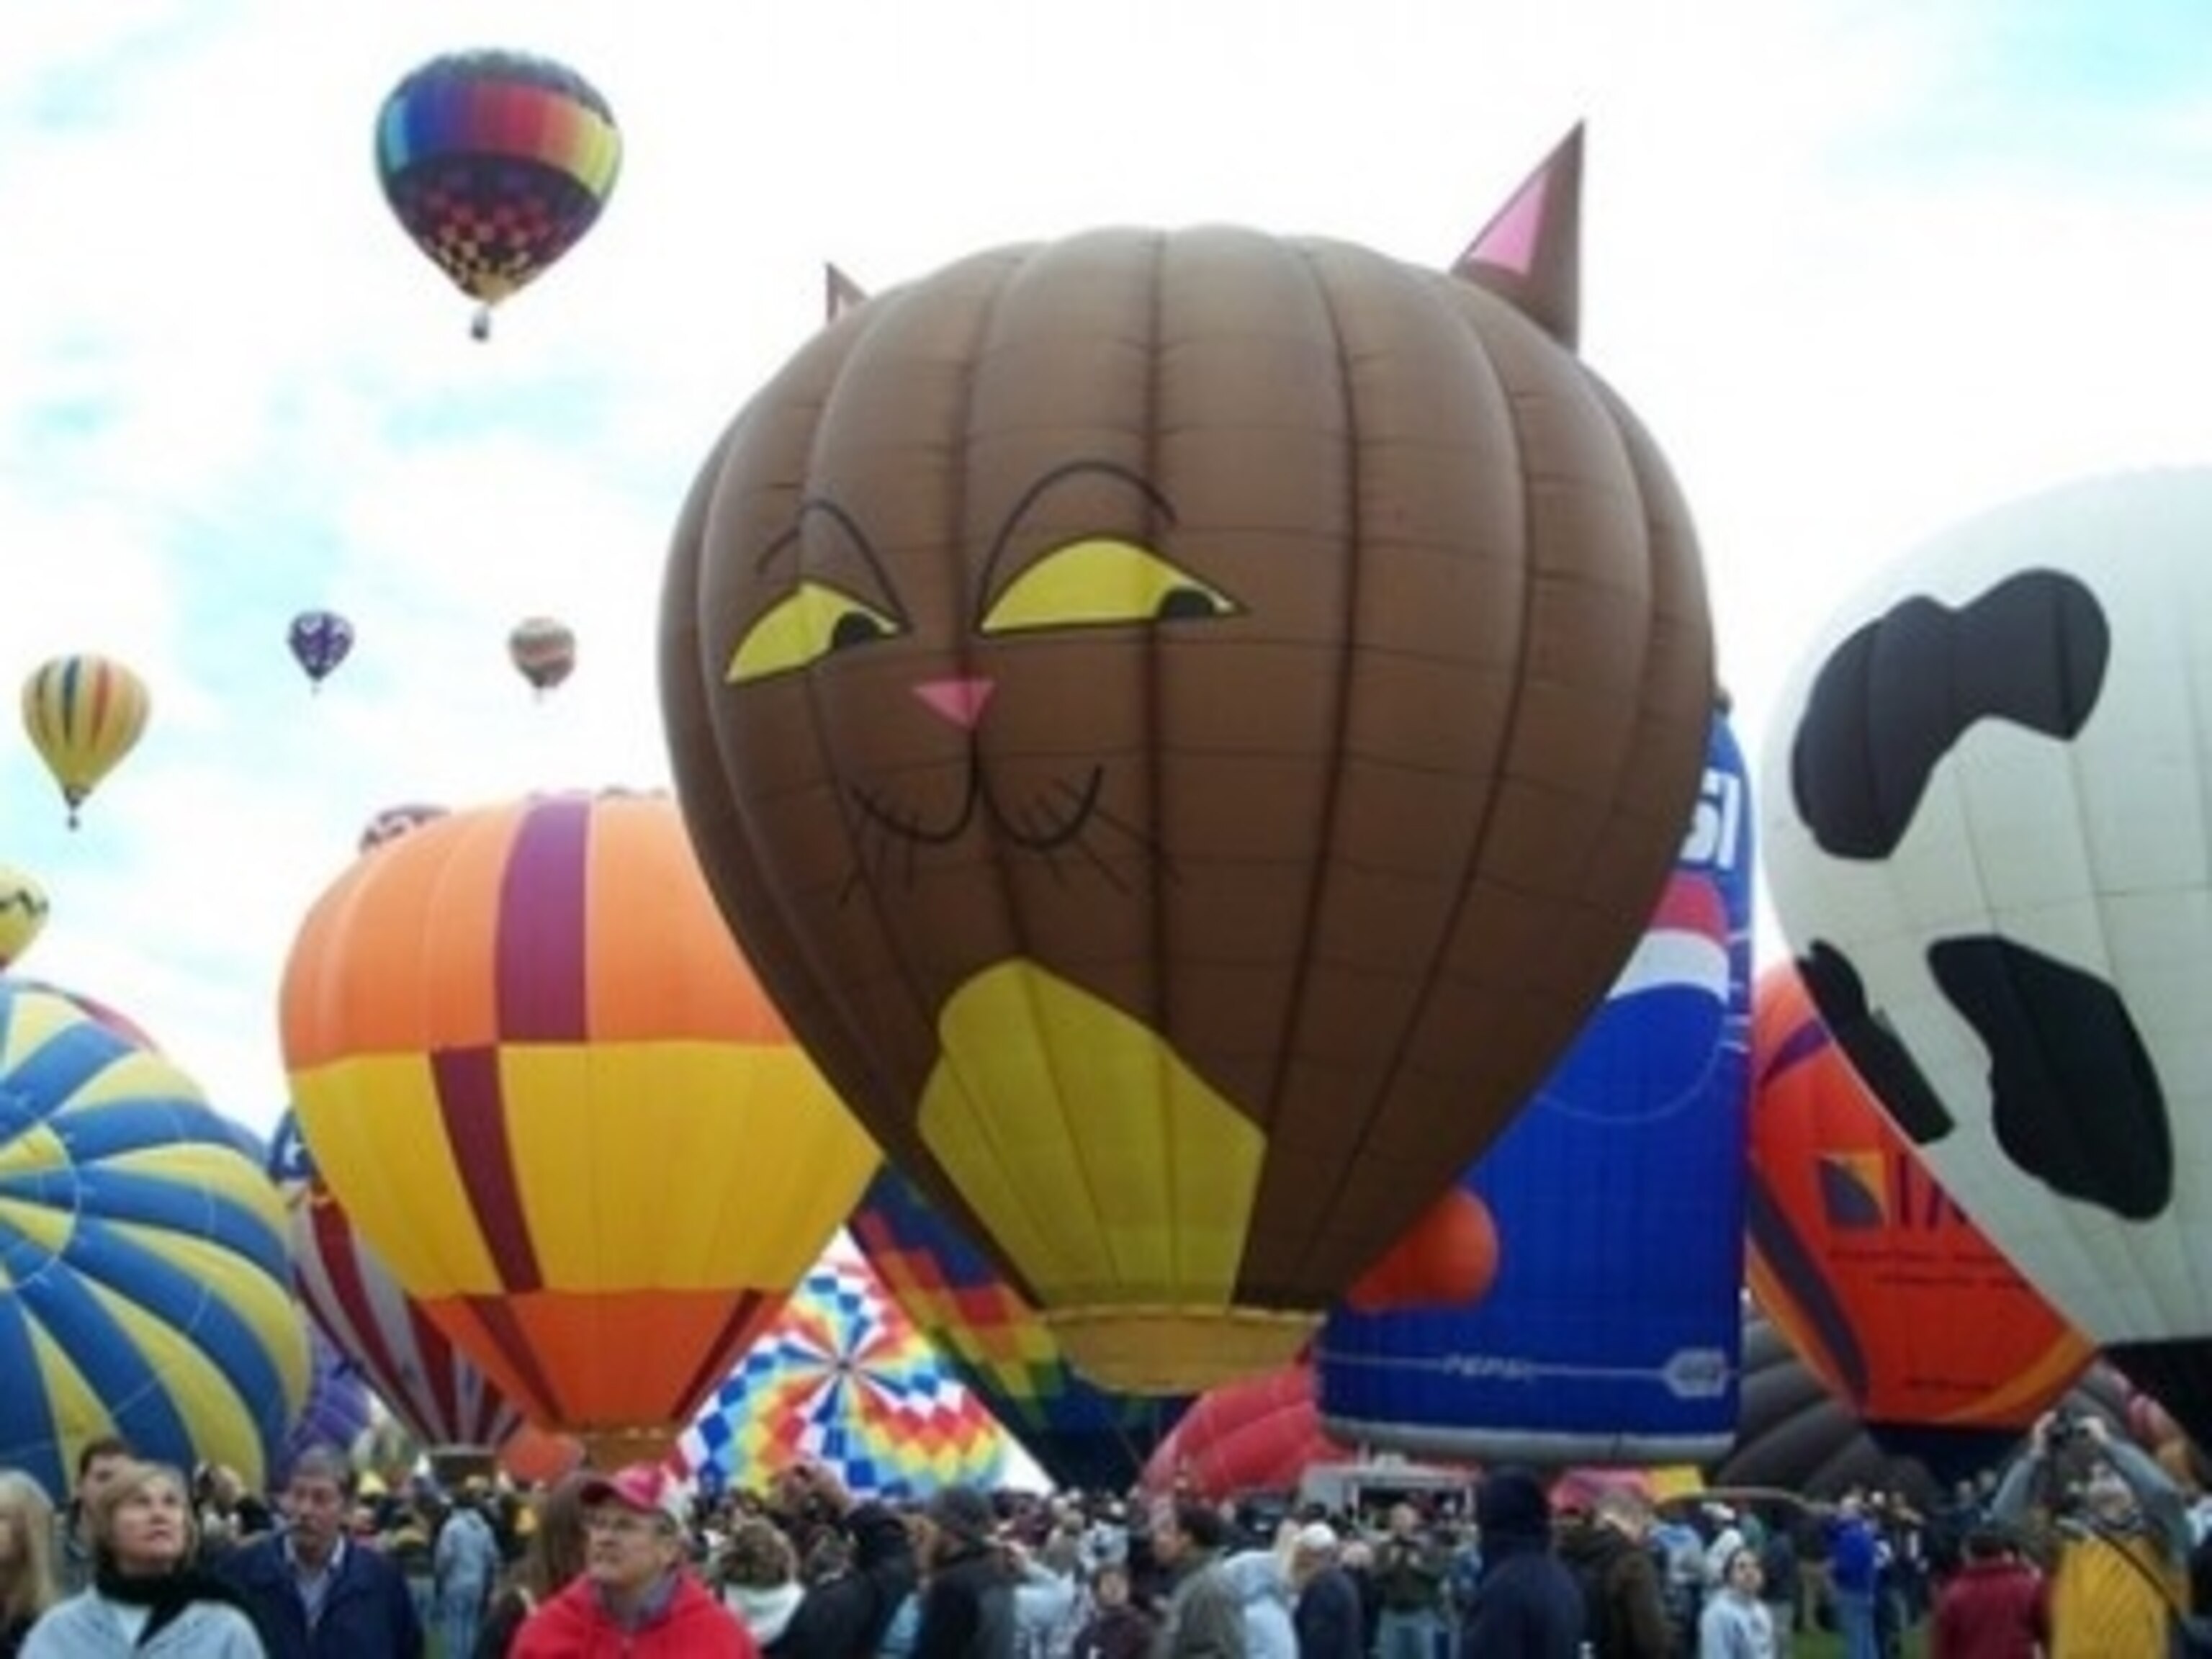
point(636, 1595)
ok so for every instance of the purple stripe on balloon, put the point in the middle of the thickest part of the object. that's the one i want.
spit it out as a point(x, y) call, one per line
point(1800, 1044)
point(540, 974)
point(473, 1104)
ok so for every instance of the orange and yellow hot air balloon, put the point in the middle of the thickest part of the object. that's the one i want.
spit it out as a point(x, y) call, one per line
point(544, 1082)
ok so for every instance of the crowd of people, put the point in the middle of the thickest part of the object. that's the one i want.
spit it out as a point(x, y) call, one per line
point(2084, 1548)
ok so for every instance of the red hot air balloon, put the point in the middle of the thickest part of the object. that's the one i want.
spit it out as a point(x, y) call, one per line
point(1876, 1276)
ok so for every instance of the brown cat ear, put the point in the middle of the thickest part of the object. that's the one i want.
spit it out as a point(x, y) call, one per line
point(1530, 252)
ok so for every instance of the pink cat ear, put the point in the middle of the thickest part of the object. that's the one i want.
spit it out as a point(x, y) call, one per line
point(1530, 252)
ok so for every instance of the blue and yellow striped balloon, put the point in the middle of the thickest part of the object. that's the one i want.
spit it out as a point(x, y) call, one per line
point(145, 1286)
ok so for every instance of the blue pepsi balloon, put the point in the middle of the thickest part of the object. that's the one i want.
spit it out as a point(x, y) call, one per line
point(1611, 1330)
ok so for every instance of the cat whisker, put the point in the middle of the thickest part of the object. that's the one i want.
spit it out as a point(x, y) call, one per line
point(1144, 842)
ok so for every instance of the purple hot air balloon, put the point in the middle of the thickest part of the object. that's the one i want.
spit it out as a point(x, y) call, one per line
point(319, 641)
point(337, 1409)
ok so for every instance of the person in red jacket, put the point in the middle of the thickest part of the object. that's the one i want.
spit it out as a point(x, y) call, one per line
point(1995, 1606)
point(636, 1598)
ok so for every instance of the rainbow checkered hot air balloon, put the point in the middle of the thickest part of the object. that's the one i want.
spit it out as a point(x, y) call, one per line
point(442, 1396)
point(542, 1079)
point(842, 1378)
point(496, 163)
point(1085, 1437)
point(144, 1288)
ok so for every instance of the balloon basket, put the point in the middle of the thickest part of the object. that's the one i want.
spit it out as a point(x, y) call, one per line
point(1159, 1349)
point(454, 1466)
point(611, 1449)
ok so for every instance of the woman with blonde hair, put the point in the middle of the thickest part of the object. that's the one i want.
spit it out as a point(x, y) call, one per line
point(26, 1558)
point(148, 1596)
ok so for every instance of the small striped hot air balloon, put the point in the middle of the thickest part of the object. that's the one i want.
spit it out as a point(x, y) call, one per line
point(144, 1289)
point(442, 1397)
point(544, 1083)
point(84, 713)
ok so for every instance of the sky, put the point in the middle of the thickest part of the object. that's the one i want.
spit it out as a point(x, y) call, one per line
point(1864, 269)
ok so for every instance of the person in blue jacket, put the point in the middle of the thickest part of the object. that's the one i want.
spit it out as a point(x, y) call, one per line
point(314, 1593)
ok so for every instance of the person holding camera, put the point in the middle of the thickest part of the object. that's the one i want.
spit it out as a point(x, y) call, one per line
point(2116, 1533)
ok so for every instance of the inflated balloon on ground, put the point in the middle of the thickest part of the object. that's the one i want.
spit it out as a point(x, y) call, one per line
point(1188, 724)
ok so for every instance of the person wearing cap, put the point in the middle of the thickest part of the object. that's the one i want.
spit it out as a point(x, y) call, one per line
point(637, 1597)
point(967, 1588)
point(1526, 1603)
point(1327, 1616)
point(315, 1592)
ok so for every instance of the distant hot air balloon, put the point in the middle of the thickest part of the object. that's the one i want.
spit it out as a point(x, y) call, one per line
point(1987, 847)
point(1880, 1282)
point(1185, 995)
point(144, 1289)
point(319, 641)
point(23, 908)
point(541, 1080)
point(1084, 1437)
point(543, 650)
point(1608, 1331)
point(84, 713)
point(496, 163)
point(446, 1402)
point(842, 1378)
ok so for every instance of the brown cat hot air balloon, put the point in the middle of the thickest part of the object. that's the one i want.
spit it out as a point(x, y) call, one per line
point(1187, 724)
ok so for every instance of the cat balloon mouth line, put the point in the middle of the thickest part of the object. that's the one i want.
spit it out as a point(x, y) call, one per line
point(1042, 829)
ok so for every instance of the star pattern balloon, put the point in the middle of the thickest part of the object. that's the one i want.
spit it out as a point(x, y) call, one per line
point(842, 1378)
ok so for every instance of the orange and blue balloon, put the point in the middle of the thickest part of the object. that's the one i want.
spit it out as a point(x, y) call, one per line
point(496, 163)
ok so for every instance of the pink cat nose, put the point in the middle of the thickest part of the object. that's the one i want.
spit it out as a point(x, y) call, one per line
point(959, 701)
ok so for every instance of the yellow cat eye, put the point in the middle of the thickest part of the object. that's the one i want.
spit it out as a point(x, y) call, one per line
point(808, 625)
point(1102, 580)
